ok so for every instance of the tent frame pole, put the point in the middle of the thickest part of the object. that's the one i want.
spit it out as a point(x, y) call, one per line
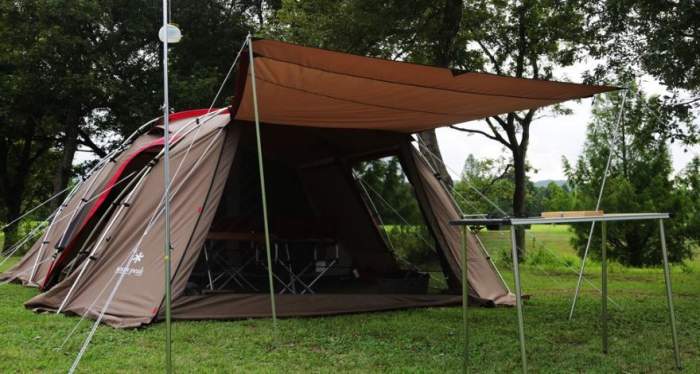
point(604, 285)
point(166, 197)
point(261, 170)
point(579, 283)
point(465, 299)
point(518, 298)
point(669, 295)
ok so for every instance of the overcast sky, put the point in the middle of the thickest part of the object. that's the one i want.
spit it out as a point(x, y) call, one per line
point(550, 138)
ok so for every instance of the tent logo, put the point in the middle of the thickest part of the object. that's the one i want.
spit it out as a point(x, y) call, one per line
point(126, 270)
point(129, 271)
point(137, 257)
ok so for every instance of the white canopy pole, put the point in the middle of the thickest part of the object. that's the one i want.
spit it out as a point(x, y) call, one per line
point(597, 207)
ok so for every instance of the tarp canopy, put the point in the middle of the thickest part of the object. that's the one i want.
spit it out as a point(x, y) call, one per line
point(305, 86)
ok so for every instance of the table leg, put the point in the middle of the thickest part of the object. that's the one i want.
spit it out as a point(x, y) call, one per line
point(465, 298)
point(604, 276)
point(518, 298)
point(669, 296)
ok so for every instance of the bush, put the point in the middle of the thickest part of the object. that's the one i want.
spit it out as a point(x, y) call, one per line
point(413, 244)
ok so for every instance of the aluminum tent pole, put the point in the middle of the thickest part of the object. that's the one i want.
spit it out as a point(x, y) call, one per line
point(249, 40)
point(465, 297)
point(604, 281)
point(669, 295)
point(579, 283)
point(518, 298)
point(166, 195)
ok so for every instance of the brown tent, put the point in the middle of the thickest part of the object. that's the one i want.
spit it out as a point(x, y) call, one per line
point(323, 113)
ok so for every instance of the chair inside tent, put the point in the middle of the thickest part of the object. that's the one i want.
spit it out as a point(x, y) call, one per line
point(326, 117)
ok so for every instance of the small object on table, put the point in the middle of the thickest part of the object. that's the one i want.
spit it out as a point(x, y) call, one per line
point(578, 213)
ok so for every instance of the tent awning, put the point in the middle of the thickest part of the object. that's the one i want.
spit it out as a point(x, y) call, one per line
point(305, 86)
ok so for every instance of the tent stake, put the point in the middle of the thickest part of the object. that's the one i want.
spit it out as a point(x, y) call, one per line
point(669, 296)
point(518, 298)
point(465, 296)
point(249, 40)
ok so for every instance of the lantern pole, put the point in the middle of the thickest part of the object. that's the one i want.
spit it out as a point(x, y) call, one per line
point(167, 34)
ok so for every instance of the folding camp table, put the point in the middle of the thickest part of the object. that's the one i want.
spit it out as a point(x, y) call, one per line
point(603, 219)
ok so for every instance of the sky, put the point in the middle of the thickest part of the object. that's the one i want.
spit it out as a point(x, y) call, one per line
point(550, 138)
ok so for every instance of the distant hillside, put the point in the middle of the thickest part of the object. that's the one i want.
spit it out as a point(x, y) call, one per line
point(545, 182)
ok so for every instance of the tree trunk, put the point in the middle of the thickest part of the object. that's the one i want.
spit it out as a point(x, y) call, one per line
point(65, 169)
point(443, 54)
point(13, 206)
point(14, 181)
point(430, 148)
point(519, 194)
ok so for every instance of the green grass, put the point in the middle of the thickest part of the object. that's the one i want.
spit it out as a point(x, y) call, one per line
point(420, 341)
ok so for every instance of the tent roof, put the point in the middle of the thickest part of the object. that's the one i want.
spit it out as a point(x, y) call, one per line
point(305, 86)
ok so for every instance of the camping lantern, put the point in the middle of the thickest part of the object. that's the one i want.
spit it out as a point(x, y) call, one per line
point(173, 32)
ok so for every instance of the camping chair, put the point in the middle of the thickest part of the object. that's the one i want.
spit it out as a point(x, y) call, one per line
point(231, 270)
point(315, 269)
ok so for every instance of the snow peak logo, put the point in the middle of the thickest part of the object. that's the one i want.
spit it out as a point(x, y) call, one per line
point(126, 270)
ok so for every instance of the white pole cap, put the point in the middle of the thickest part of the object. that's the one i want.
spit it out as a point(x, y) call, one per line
point(174, 34)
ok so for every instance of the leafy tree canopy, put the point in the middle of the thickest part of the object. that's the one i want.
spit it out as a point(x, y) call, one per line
point(640, 180)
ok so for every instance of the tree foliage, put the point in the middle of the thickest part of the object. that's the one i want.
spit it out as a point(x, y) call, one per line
point(390, 192)
point(486, 187)
point(661, 38)
point(640, 180)
point(79, 75)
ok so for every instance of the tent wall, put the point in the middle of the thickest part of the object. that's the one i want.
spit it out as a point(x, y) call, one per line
point(192, 250)
point(141, 292)
point(485, 284)
point(227, 306)
point(72, 216)
point(322, 158)
point(331, 191)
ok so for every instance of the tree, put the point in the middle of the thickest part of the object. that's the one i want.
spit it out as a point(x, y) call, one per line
point(661, 38)
point(396, 201)
point(491, 177)
point(525, 39)
point(84, 74)
point(639, 181)
point(687, 184)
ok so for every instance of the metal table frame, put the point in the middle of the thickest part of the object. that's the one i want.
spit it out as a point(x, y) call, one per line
point(603, 219)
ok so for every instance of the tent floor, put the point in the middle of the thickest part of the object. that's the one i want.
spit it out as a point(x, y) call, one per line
point(237, 306)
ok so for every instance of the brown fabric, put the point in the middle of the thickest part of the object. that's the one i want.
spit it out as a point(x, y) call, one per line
point(330, 191)
point(304, 86)
point(484, 282)
point(72, 215)
point(230, 306)
point(139, 296)
point(192, 251)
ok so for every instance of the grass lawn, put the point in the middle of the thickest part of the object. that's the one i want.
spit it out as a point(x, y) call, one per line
point(425, 340)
